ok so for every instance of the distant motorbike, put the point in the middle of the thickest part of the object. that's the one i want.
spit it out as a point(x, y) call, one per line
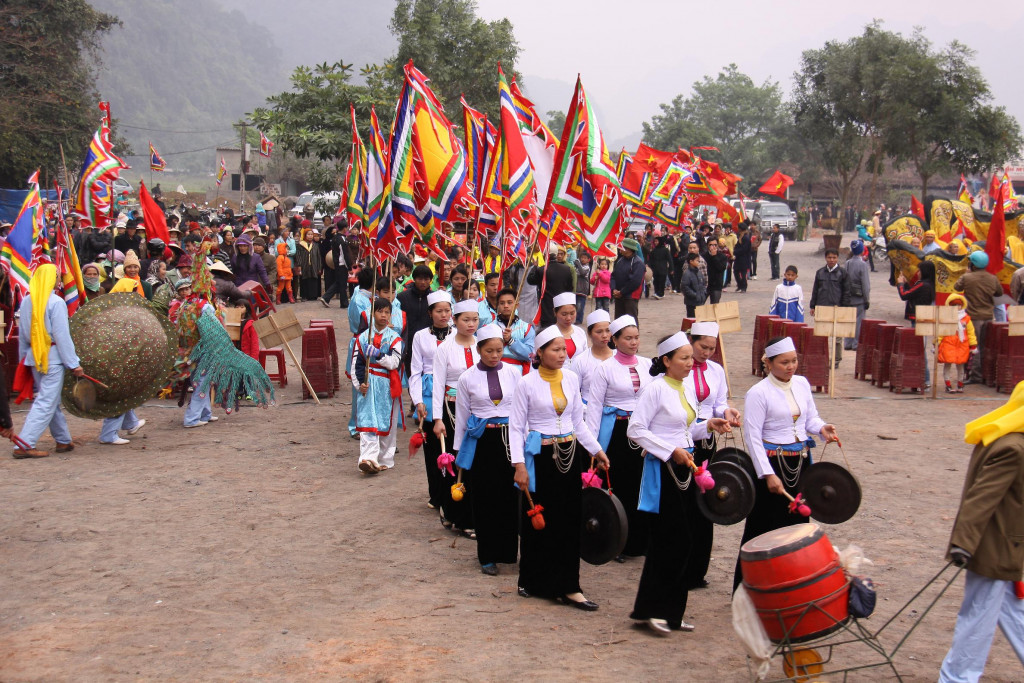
point(879, 250)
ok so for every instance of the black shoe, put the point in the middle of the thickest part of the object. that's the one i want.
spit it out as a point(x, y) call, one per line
point(585, 605)
point(621, 559)
point(523, 593)
point(489, 569)
point(698, 585)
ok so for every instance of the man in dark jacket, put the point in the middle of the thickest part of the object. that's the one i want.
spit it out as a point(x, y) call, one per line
point(628, 279)
point(129, 239)
point(414, 304)
point(337, 245)
point(557, 277)
point(831, 288)
point(694, 285)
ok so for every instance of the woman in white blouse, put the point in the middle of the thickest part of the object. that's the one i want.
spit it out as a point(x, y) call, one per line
point(613, 392)
point(665, 424)
point(708, 382)
point(421, 386)
point(585, 363)
point(545, 424)
point(565, 316)
point(780, 416)
point(483, 402)
point(453, 357)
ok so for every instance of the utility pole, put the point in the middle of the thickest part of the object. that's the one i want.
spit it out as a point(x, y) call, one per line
point(241, 175)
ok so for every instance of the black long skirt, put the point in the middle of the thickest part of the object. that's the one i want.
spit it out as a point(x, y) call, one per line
point(626, 471)
point(663, 590)
point(495, 499)
point(549, 559)
point(701, 528)
point(309, 288)
point(771, 511)
point(432, 449)
point(460, 514)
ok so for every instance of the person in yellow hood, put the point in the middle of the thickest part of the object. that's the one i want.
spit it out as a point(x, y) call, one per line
point(988, 540)
point(45, 345)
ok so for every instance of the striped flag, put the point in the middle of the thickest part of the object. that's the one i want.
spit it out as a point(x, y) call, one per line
point(16, 255)
point(101, 167)
point(584, 188)
point(65, 258)
point(156, 162)
point(379, 221)
point(516, 179)
point(222, 171)
point(355, 178)
point(481, 158)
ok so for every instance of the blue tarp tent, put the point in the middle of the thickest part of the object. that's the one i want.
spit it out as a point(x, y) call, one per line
point(11, 200)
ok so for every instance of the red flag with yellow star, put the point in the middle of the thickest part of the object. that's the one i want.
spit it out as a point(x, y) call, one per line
point(776, 185)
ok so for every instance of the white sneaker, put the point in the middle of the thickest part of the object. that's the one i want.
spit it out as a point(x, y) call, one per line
point(213, 418)
point(135, 430)
point(197, 424)
point(116, 442)
point(659, 626)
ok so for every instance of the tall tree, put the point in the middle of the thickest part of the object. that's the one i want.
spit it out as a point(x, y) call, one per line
point(748, 123)
point(48, 57)
point(312, 119)
point(959, 129)
point(456, 49)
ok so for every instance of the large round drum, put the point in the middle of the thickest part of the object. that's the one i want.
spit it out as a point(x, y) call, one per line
point(796, 583)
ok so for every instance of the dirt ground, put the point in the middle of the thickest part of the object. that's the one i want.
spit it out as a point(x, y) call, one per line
point(252, 548)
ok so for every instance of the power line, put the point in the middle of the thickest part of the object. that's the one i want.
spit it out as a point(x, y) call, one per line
point(187, 151)
point(161, 130)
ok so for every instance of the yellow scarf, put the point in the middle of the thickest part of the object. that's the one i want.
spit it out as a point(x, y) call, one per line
point(1004, 420)
point(554, 378)
point(125, 285)
point(40, 288)
point(678, 386)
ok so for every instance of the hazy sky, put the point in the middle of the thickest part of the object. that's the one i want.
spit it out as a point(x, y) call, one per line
point(635, 54)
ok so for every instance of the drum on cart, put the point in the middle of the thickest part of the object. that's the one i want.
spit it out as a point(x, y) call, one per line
point(795, 580)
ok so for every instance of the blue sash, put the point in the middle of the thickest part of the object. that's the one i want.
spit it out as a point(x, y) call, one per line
point(608, 415)
point(793, 448)
point(531, 449)
point(427, 386)
point(650, 484)
point(475, 427)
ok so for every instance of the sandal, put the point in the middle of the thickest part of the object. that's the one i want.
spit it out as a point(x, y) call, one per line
point(444, 521)
point(469, 533)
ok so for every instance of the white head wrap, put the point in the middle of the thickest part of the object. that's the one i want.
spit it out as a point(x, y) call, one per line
point(563, 299)
point(438, 297)
point(492, 331)
point(546, 335)
point(598, 316)
point(677, 340)
point(467, 306)
point(784, 345)
point(705, 329)
point(621, 322)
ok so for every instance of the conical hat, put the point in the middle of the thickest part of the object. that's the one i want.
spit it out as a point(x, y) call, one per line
point(124, 342)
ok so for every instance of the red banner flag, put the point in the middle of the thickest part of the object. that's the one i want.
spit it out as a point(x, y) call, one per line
point(995, 243)
point(153, 216)
point(917, 208)
point(776, 185)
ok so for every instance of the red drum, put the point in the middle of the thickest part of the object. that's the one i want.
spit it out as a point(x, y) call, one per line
point(796, 583)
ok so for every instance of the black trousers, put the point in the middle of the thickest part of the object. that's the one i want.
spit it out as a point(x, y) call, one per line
point(495, 499)
point(663, 592)
point(627, 306)
point(460, 513)
point(714, 296)
point(773, 258)
point(753, 262)
point(677, 275)
point(660, 275)
point(702, 529)
point(627, 466)
point(432, 449)
point(338, 285)
point(549, 559)
point(771, 511)
point(741, 277)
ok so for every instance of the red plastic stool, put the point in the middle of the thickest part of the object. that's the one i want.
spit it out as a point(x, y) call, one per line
point(281, 376)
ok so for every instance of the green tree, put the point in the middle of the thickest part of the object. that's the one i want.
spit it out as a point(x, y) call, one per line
point(556, 121)
point(959, 129)
point(748, 123)
point(48, 57)
point(457, 50)
point(312, 119)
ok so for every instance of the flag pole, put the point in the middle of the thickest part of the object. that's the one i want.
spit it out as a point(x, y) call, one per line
point(526, 268)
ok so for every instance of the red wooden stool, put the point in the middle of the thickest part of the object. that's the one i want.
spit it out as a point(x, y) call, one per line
point(281, 376)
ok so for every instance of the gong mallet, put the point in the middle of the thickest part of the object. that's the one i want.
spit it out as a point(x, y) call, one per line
point(534, 513)
point(94, 380)
point(416, 440)
point(797, 505)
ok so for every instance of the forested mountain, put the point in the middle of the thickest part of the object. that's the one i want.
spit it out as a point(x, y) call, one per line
point(184, 65)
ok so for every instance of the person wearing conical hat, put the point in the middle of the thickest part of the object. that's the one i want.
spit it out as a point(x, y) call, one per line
point(986, 541)
point(45, 345)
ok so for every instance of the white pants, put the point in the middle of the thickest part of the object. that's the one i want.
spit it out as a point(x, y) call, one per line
point(987, 603)
point(381, 449)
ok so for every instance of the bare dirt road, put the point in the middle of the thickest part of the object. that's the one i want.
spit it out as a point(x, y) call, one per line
point(252, 548)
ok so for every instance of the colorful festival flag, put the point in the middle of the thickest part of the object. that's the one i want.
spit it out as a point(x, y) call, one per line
point(378, 219)
point(16, 256)
point(636, 184)
point(355, 178)
point(101, 167)
point(65, 258)
point(669, 189)
point(266, 146)
point(963, 194)
point(584, 188)
point(156, 162)
point(515, 177)
point(222, 171)
point(776, 185)
point(429, 177)
point(540, 142)
point(481, 141)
